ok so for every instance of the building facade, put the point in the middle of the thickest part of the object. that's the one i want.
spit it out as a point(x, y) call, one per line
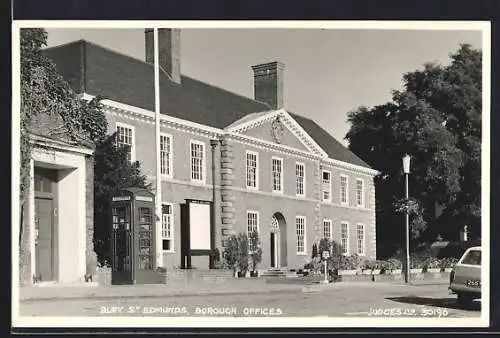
point(275, 171)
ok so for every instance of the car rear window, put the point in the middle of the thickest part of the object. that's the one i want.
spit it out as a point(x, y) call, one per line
point(472, 258)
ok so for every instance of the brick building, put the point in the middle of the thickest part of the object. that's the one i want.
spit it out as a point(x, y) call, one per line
point(276, 171)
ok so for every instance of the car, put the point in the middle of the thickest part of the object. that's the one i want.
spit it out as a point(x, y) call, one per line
point(465, 278)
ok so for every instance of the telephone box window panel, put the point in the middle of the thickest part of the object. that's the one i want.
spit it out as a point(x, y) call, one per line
point(199, 219)
point(145, 239)
point(121, 235)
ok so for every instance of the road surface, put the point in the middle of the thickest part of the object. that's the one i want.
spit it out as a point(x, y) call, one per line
point(352, 301)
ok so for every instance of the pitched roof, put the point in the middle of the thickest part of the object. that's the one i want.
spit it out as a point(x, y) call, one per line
point(328, 143)
point(95, 70)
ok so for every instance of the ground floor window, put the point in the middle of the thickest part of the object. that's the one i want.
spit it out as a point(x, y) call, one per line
point(327, 229)
point(167, 227)
point(252, 225)
point(300, 226)
point(344, 238)
point(360, 232)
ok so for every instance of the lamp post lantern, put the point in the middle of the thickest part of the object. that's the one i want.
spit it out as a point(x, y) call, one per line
point(406, 170)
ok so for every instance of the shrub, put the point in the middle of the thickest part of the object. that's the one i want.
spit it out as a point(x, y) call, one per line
point(433, 263)
point(324, 245)
point(369, 265)
point(448, 262)
point(418, 262)
point(243, 253)
point(314, 251)
point(352, 262)
point(384, 266)
point(231, 253)
point(394, 264)
point(91, 262)
point(215, 258)
point(256, 250)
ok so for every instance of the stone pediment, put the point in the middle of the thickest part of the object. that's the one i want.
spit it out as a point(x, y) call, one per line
point(276, 127)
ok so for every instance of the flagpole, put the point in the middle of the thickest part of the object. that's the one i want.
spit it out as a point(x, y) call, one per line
point(158, 197)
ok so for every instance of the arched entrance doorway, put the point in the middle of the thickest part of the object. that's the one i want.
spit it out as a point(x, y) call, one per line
point(278, 248)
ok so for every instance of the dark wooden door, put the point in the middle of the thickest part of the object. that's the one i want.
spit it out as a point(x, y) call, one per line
point(44, 239)
point(273, 250)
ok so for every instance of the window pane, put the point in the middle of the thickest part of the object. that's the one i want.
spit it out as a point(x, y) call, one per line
point(473, 258)
point(300, 233)
point(165, 154)
point(276, 172)
point(197, 159)
point(343, 189)
point(326, 186)
point(251, 165)
point(299, 173)
point(344, 238)
point(327, 225)
point(167, 227)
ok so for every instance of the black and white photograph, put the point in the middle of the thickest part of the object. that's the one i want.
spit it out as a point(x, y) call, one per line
point(264, 174)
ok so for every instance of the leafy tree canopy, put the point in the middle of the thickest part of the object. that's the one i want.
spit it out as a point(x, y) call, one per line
point(436, 119)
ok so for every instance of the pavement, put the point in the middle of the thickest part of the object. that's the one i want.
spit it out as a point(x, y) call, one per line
point(221, 287)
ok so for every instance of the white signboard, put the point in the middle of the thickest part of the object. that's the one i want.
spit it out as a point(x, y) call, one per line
point(199, 227)
point(144, 198)
point(326, 254)
point(121, 198)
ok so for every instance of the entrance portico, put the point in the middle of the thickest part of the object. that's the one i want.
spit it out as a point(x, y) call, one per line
point(56, 211)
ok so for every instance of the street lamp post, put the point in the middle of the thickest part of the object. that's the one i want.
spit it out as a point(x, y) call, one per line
point(213, 144)
point(406, 170)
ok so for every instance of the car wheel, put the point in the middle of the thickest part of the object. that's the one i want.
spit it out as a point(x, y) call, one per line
point(464, 298)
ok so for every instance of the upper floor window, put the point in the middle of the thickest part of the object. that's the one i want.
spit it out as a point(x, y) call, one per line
point(326, 186)
point(327, 229)
point(344, 238)
point(360, 192)
point(277, 173)
point(344, 182)
point(252, 225)
point(300, 173)
point(166, 155)
point(197, 161)
point(252, 163)
point(125, 138)
point(300, 230)
point(360, 238)
point(167, 227)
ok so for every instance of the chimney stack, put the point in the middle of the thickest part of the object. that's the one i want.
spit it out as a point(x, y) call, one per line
point(268, 83)
point(169, 50)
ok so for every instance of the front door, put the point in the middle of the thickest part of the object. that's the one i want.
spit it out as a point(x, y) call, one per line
point(44, 239)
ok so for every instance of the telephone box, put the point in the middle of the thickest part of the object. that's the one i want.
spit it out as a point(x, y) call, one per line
point(133, 237)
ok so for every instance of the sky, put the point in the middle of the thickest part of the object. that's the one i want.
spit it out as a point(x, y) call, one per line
point(328, 72)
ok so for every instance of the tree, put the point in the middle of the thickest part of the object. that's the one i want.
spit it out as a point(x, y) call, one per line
point(112, 172)
point(436, 119)
point(46, 98)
